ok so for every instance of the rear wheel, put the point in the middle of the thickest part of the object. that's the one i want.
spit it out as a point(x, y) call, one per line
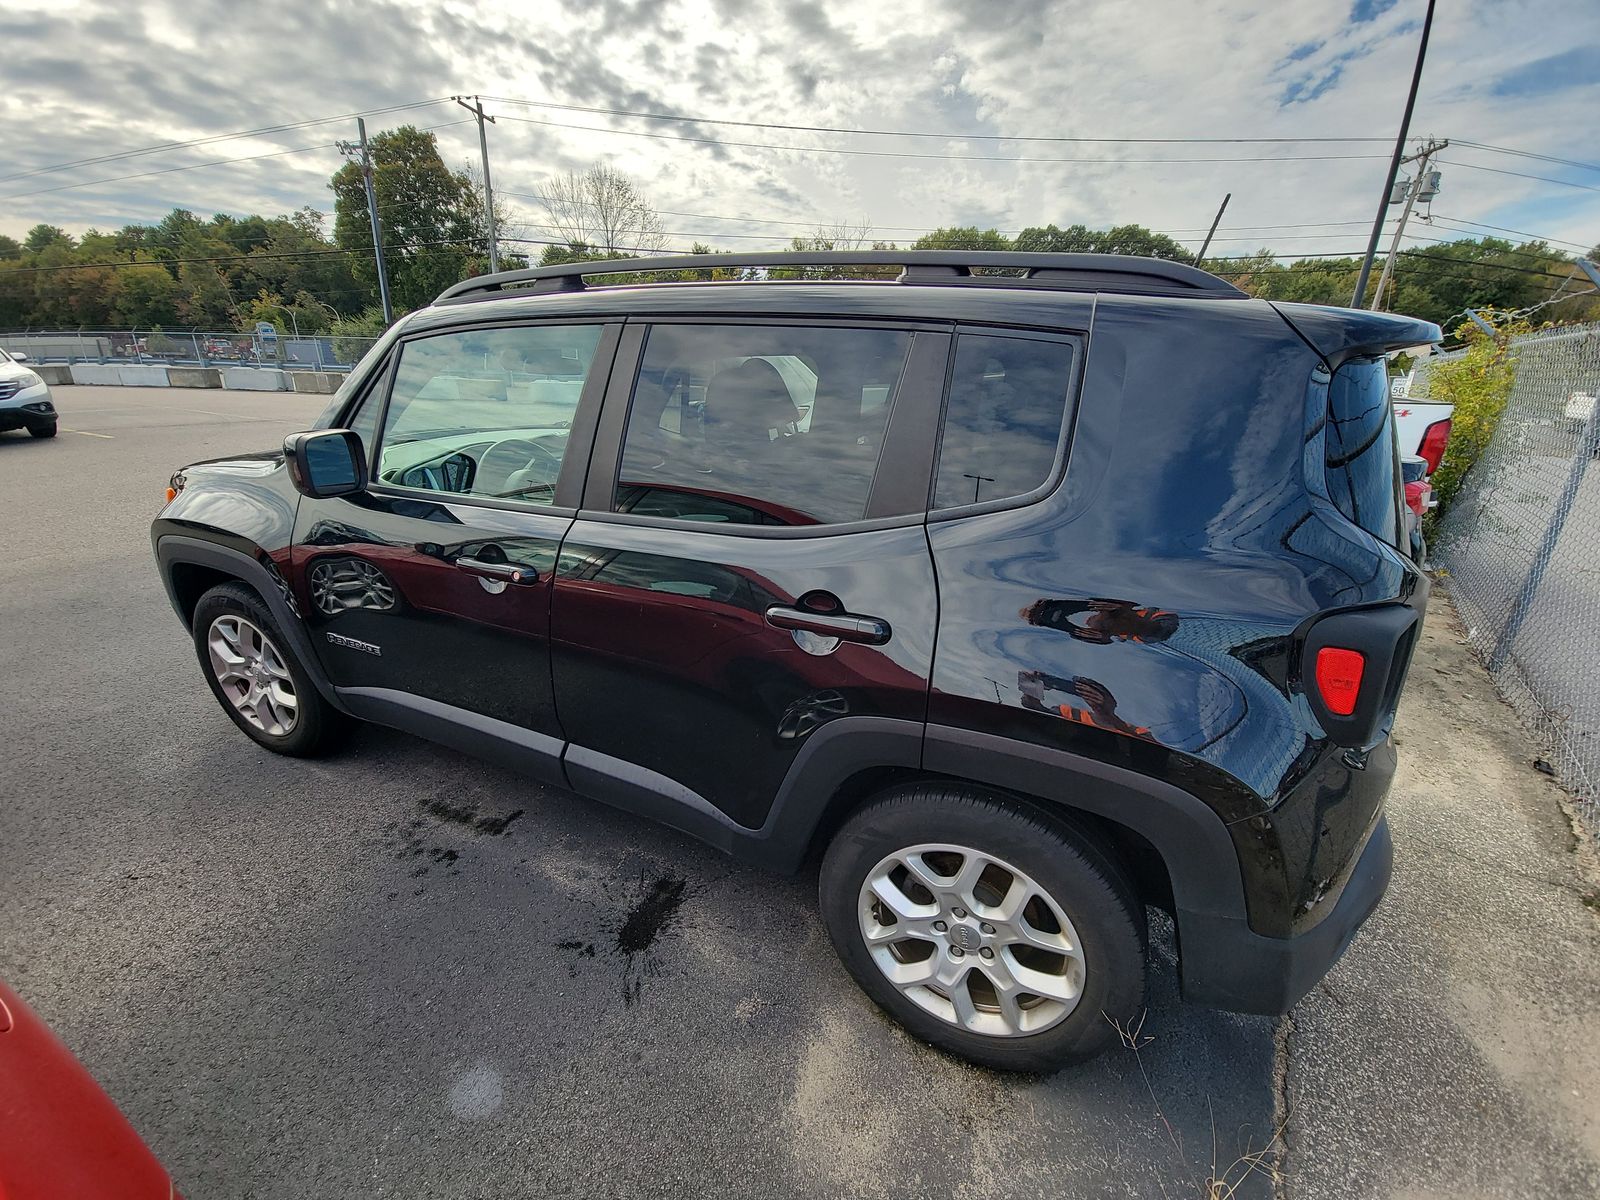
point(256, 677)
point(43, 431)
point(986, 926)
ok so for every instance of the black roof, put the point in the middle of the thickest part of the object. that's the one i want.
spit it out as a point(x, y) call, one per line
point(1124, 273)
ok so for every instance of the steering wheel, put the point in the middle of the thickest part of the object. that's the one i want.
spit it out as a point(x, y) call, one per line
point(521, 465)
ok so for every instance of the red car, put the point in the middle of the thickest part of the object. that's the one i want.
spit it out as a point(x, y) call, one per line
point(61, 1137)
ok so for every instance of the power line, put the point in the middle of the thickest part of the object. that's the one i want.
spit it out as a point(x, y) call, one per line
point(676, 137)
point(951, 136)
point(458, 243)
point(220, 137)
point(1566, 162)
point(220, 162)
point(1538, 237)
point(1519, 174)
point(819, 223)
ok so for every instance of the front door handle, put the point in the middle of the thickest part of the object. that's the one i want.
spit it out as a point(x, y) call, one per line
point(504, 572)
point(847, 627)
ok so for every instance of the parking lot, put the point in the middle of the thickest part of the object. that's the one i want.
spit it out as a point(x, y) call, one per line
point(402, 972)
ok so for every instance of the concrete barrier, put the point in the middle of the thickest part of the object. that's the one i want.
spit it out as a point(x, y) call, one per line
point(95, 373)
point(194, 377)
point(255, 379)
point(141, 375)
point(322, 382)
point(52, 373)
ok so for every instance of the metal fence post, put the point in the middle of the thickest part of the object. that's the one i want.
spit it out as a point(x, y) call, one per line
point(1588, 447)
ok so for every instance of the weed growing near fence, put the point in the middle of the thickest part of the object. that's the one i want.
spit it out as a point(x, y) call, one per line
point(1478, 384)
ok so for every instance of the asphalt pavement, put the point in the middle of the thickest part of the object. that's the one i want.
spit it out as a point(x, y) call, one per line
point(401, 972)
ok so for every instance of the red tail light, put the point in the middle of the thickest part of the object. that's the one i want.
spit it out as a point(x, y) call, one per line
point(1339, 678)
point(1417, 495)
point(1434, 439)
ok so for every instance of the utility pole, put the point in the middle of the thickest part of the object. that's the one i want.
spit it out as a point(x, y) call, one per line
point(372, 215)
point(1414, 189)
point(1215, 221)
point(1394, 164)
point(476, 109)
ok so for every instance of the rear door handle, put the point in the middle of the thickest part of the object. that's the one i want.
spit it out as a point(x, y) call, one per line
point(504, 572)
point(847, 627)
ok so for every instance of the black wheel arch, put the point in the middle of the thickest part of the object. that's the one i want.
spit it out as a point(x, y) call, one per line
point(191, 566)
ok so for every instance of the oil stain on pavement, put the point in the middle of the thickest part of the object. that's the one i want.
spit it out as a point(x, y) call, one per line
point(415, 840)
point(635, 937)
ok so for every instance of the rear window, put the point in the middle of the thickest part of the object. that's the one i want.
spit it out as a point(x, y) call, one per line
point(1004, 419)
point(1362, 463)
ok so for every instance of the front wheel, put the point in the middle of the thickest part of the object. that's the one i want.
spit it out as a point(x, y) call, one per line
point(985, 925)
point(43, 431)
point(256, 677)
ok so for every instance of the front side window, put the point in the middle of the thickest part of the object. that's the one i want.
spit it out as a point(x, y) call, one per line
point(758, 425)
point(485, 412)
point(1004, 419)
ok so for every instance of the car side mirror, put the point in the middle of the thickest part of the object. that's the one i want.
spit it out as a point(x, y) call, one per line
point(326, 462)
point(17, 357)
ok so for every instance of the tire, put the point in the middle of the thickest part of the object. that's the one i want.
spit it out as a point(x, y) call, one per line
point(308, 727)
point(1068, 875)
point(43, 431)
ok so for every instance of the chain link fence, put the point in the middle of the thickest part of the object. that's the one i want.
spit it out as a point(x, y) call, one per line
point(1521, 544)
point(189, 348)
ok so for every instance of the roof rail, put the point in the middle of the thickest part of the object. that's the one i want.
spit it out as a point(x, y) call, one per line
point(1060, 272)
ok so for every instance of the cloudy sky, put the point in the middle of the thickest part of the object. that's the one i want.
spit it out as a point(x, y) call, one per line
point(97, 78)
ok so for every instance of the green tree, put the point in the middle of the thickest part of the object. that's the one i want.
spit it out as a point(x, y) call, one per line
point(966, 237)
point(42, 236)
point(144, 295)
point(430, 217)
point(205, 300)
point(10, 248)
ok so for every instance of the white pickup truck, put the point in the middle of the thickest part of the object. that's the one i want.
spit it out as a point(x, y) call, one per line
point(1422, 427)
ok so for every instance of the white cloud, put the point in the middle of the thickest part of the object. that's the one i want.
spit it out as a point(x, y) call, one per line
point(96, 78)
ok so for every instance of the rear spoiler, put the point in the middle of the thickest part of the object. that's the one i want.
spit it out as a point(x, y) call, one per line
point(1341, 333)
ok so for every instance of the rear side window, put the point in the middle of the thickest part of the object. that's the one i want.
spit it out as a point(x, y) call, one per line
point(1004, 420)
point(758, 424)
point(1362, 467)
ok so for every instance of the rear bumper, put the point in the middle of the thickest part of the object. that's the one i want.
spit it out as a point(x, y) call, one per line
point(1225, 964)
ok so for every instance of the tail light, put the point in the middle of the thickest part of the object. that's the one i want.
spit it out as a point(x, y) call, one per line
point(1354, 665)
point(1434, 439)
point(1419, 496)
point(1339, 674)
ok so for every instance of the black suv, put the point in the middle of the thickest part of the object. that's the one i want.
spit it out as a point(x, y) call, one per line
point(1025, 590)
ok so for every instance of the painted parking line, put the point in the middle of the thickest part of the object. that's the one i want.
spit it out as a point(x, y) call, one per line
point(86, 433)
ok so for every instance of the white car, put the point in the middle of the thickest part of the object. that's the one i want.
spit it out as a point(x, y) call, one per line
point(24, 398)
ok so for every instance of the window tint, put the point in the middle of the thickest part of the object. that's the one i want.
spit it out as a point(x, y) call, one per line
point(758, 425)
point(1360, 448)
point(1003, 422)
point(485, 412)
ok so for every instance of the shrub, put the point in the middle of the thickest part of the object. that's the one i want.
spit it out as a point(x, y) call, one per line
point(1478, 384)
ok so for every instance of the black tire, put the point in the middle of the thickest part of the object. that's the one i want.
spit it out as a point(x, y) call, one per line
point(43, 431)
point(318, 726)
point(1082, 877)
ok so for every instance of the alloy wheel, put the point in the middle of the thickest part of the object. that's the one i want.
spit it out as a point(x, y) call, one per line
point(971, 939)
point(252, 674)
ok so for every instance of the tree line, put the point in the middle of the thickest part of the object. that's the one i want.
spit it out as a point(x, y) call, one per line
point(230, 272)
